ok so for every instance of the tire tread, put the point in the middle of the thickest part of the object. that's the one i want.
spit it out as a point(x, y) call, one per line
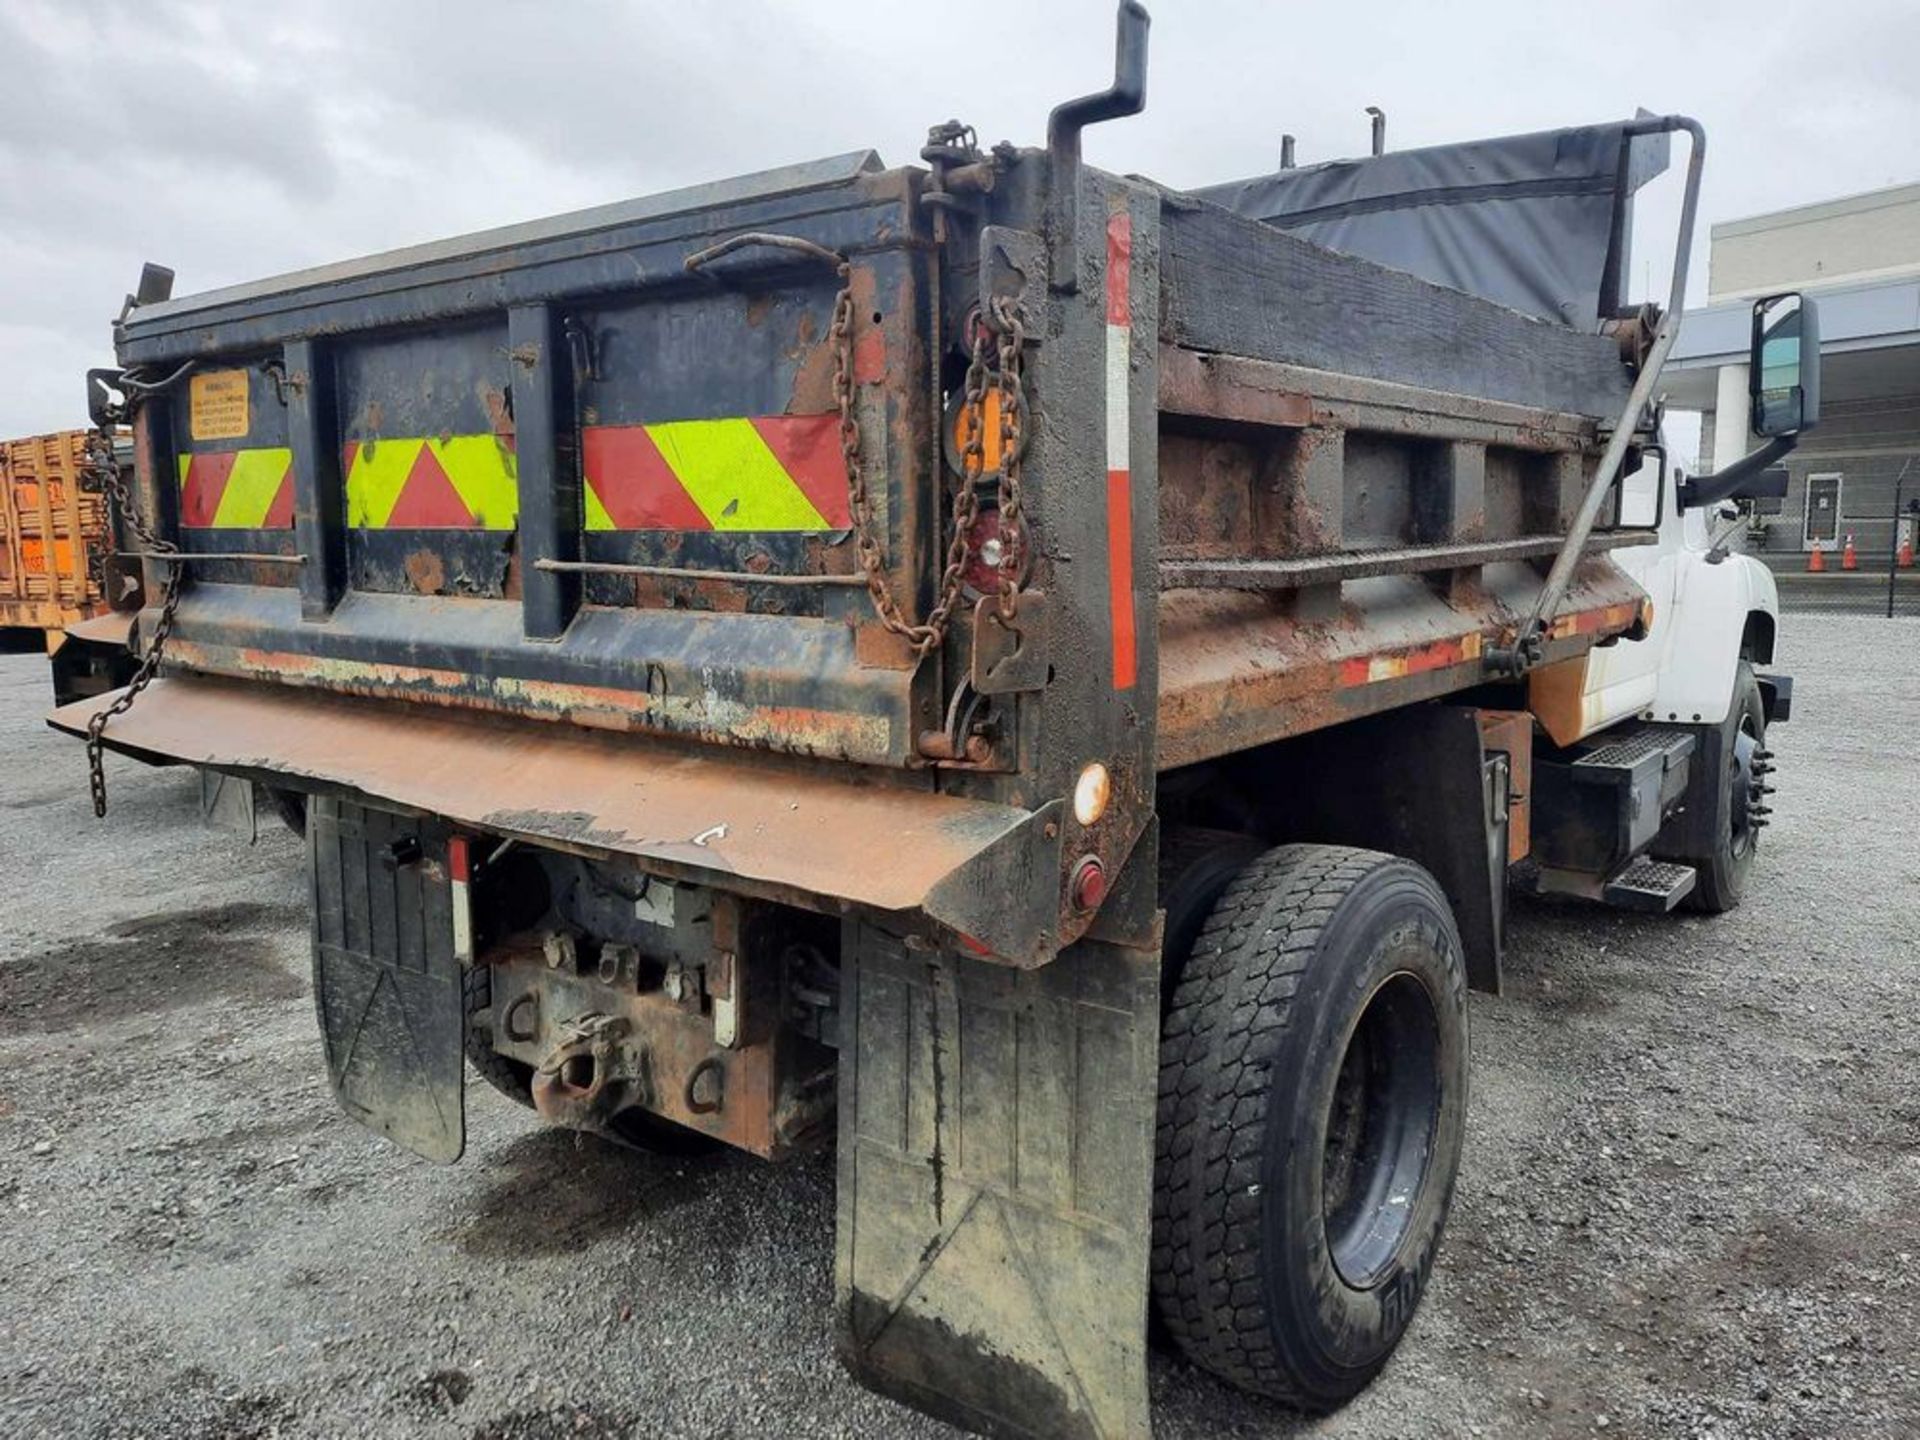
point(1238, 983)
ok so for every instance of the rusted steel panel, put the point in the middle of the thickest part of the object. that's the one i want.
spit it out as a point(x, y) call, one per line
point(1236, 672)
point(377, 467)
point(1511, 733)
point(793, 684)
point(115, 629)
point(1366, 564)
point(1237, 286)
point(1236, 387)
point(797, 832)
point(1217, 387)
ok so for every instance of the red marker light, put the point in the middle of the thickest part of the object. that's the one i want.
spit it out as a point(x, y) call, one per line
point(1089, 884)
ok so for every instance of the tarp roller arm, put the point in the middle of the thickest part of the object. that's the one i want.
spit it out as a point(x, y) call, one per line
point(1524, 652)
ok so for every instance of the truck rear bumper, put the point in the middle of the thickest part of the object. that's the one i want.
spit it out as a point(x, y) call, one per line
point(758, 826)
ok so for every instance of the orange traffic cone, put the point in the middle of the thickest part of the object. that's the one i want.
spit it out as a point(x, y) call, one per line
point(1849, 560)
point(1906, 552)
point(1816, 559)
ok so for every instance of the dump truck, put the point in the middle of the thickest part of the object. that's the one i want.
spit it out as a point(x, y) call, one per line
point(64, 587)
point(1038, 680)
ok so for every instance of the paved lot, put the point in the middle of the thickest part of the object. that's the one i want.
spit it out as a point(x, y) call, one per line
point(1687, 1209)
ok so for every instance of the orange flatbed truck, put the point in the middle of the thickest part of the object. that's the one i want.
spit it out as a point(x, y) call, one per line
point(59, 567)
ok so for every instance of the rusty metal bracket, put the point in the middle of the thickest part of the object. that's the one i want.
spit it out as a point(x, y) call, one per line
point(961, 739)
point(1013, 268)
point(226, 803)
point(1010, 656)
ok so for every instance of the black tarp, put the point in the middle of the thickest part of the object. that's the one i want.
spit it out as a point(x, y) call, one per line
point(1539, 223)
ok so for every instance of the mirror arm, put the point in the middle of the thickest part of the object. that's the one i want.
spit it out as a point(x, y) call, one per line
point(1699, 491)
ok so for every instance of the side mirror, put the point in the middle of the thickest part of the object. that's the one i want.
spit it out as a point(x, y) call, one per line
point(1783, 369)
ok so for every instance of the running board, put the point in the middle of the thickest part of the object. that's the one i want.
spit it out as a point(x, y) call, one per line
point(1651, 886)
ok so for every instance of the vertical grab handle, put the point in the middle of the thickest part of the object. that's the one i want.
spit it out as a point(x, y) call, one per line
point(1126, 96)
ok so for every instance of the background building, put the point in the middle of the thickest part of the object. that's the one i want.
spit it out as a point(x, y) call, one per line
point(1860, 257)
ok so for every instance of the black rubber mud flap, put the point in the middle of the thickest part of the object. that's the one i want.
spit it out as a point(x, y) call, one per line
point(995, 1187)
point(386, 984)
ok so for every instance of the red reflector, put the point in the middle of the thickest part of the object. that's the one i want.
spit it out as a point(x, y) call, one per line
point(1089, 885)
point(458, 864)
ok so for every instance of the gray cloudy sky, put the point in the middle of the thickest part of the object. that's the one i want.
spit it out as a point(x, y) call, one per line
point(237, 140)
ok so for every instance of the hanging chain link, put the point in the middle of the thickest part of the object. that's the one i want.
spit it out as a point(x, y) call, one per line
point(103, 468)
point(1013, 419)
point(926, 635)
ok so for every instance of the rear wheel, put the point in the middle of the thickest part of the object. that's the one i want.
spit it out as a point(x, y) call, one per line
point(1313, 1085)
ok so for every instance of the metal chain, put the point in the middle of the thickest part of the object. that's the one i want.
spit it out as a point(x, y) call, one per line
point(1013, 419)
point(104, 468)
point(925, 635)
point(921, 635)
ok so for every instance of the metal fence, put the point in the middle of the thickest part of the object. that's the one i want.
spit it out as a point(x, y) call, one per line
point(1851, 593)
point(1844, 581)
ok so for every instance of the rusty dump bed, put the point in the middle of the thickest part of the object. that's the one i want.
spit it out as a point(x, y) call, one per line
point(558, 479)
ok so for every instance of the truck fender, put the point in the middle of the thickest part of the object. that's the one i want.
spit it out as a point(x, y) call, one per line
point(1720, 612)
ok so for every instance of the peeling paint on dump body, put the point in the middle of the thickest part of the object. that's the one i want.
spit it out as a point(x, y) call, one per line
point(790, 729)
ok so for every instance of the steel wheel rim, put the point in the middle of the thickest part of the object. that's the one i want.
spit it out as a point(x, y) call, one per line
point(1381, 1120)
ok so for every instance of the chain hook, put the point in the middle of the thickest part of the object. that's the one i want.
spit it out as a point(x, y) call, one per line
point(103, 466)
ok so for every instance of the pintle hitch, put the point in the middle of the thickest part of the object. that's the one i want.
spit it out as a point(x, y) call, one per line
point(578, 1084)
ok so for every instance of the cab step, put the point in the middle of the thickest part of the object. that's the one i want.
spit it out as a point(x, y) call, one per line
point(1594, 808)
point(1651, 750)
point(1651, 886)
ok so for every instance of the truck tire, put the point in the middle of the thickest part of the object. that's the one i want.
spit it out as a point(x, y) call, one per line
point(1313, 1090)
point(1196, 865)
point(512, 1078)
point(1723, 865)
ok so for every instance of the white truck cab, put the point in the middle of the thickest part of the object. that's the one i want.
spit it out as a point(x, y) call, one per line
point(1712, 607)
point(1684, 707)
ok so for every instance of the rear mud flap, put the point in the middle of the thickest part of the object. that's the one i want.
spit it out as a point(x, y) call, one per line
point(386, 984)
point(995, 1186)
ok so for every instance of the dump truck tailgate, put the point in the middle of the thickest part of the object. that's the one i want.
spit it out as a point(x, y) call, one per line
point(550, 471)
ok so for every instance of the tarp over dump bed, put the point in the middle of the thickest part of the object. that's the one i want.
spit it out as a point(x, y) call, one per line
point(1540, 223)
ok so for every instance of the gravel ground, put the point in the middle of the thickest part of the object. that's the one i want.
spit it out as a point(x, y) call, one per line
point(1686, 1208)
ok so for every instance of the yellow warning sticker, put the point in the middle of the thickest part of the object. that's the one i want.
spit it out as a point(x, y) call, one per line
point(217, 405)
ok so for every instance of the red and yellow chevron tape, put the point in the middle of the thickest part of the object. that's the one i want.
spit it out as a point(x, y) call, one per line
point(456, 482)
point(770, 473)
point(766, 473)
point(237, 490)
